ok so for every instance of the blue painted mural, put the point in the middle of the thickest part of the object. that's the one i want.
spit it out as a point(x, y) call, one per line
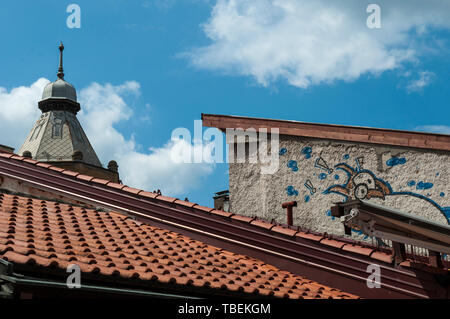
point(364, 184)
point(291, 191)
point(394, 161)
point(307, 152)
point(309, 185)
point(423, 185)
point(292, 165)
point(358, 182)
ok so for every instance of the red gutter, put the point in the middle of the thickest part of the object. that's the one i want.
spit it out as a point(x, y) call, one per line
point(313, 260)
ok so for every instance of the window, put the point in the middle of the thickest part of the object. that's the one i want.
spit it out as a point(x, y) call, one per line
point(57, 128)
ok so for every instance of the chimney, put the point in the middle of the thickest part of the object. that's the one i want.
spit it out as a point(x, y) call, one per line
point(222, 201)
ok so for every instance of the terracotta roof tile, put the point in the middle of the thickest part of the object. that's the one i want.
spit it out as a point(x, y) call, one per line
point(203, 208)
point(99, 180)
point(184, 203)
point(132, 190)
point(332, 243)
point(37, 233)
point(44, 165)
point(221, 213)
point(116, 185)
point(6, 155)
point(382, 257)
point(20, 158)
point(85, 177)
point(167, 198)
point(70, 173)
point(284, 231)
point(31, 161)
point(242, 218)
point(262, 224)
point(148, 194)
point(358, 249)
point(55, 168)
point(309, 236)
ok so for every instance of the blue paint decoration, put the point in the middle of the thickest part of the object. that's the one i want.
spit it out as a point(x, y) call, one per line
point(329, 214)
point(283, 151)
point(346, 156)
point(359, 232)
point(291, 191)
point(307, 152)
point(394, 161)
point(422, 185)
point(442, 194)
point(344, 190)
point(309, 185)
point(411, 183)
point(322, 176)
point(307, 198)
point(446, 211)
point(336, 177)
point(292, 165)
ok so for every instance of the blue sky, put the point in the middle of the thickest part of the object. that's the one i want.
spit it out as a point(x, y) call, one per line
point(187, 60)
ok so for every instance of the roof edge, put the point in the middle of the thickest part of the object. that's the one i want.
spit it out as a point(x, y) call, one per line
point(360, 134)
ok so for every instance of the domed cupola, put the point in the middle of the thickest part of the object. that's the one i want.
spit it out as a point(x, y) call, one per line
point(59, 89)
point(59, 95)
point(57, 136)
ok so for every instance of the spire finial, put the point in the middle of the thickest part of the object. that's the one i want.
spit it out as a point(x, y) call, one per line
point(60, 69)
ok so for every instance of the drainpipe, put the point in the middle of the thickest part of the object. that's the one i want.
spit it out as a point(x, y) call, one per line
point(288, 206)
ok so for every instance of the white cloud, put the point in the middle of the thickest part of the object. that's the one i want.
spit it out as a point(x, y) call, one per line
point(103, 106)
point(442, 129)
point(424, 79)
point(311, 42)
point(19, 111)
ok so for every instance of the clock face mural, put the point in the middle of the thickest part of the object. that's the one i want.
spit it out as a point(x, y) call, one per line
point(361, 184)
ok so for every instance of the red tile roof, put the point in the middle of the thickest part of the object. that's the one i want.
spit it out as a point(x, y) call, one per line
point(47, 234)
point(334, 132)
point(341, 253)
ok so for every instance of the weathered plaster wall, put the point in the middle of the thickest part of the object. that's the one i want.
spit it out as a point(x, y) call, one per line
point(317, 173)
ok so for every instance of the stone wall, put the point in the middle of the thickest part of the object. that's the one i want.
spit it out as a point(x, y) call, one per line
point(317, 173)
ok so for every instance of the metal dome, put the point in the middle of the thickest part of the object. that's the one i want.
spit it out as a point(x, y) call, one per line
point(60, 89)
